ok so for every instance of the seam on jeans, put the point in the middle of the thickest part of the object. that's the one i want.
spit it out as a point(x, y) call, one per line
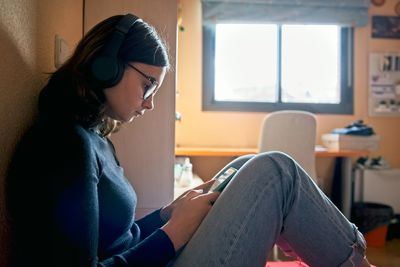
point(244, 223)
point(324, 211)
point(282, 173)
point(355, 244)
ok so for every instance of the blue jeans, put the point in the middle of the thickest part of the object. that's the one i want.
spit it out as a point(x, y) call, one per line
point(271, 200)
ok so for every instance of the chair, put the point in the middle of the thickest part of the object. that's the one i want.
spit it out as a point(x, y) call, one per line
point(292, 132)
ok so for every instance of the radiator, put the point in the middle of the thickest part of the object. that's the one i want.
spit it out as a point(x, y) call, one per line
point(380, 186)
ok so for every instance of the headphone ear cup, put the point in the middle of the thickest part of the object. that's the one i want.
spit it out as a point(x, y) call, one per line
point(107, 71)
point(119, 73)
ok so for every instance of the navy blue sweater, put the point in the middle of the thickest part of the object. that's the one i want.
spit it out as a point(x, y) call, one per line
point(71, 205)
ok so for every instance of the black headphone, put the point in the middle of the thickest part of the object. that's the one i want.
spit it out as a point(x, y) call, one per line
point(107, 69)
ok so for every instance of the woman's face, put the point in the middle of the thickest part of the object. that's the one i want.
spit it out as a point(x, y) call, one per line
point(126, 100)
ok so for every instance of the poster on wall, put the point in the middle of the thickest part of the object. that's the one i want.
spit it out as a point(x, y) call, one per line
point(384, 84)
point(386, 27)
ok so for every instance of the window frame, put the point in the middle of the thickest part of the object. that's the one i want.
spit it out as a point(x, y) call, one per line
point(346, 89)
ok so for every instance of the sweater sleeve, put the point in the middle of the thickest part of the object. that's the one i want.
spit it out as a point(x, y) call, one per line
point(149, 224)
point(156, 250)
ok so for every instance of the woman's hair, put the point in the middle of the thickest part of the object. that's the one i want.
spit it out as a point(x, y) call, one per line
point(72, 93)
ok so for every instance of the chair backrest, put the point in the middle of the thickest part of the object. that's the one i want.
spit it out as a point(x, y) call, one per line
point(292, 132)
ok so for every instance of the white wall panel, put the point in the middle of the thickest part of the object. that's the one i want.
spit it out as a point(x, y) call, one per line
point(146, 146)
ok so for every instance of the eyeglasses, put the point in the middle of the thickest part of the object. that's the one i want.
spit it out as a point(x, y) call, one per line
point(150, 89)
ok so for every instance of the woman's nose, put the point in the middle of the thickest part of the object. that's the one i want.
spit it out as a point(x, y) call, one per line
point(148, 103)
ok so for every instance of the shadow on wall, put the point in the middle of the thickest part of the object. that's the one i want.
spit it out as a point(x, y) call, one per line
point(17, 103)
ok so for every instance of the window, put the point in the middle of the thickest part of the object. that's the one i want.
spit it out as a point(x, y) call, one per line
point(268, 67)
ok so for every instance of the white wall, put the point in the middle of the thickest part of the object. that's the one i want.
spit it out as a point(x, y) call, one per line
point(146, 147)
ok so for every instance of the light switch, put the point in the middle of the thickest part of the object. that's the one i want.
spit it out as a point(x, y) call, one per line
point(61, 51)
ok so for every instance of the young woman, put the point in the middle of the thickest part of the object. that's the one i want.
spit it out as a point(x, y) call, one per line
point(70, 204)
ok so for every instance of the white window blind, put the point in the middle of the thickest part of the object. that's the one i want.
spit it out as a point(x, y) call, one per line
point(353, 13)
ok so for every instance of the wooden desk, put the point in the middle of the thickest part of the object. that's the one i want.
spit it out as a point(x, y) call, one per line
point(342, 176)
point(213, 152)
point(235, 152)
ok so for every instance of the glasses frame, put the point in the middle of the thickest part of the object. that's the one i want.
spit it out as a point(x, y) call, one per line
point(151, 89)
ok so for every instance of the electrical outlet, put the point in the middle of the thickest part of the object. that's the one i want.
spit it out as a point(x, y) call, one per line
point(61, 51)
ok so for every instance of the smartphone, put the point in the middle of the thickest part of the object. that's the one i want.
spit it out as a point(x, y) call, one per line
point(222, 180)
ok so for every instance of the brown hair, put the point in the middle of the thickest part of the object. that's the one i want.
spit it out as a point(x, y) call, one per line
point(72, 93)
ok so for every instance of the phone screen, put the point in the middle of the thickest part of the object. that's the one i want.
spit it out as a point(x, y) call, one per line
point(222, 180)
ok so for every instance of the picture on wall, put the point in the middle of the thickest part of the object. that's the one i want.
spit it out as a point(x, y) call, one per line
point(386, 27)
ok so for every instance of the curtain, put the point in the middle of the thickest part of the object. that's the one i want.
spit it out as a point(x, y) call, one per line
point(339, 12)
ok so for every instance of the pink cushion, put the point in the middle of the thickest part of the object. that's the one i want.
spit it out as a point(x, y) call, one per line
point(286, 264)
point(289, 264)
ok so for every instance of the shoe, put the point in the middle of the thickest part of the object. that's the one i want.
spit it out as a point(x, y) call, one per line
point(363, 163)
point(355, 128)
point(379, 163)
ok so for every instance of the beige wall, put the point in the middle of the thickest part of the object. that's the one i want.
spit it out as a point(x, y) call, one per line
point(146, 146)
point(240, 129)
point(27, 29)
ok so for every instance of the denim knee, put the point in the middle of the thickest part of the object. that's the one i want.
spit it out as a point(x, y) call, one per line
point(281, 161)
point(278, 156)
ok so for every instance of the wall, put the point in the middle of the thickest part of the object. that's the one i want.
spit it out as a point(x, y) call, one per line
point(27, 30)
point(241, 129)
point(146, 146)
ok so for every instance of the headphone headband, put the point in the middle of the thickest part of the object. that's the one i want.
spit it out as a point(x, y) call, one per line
point(126, 23)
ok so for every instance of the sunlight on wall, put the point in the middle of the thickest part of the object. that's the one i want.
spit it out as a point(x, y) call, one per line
point(199, 128)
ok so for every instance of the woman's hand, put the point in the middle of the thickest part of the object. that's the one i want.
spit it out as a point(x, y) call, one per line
point(187, 214)
point(166, 211)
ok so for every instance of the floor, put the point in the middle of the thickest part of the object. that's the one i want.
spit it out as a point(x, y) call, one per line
point(387, 256)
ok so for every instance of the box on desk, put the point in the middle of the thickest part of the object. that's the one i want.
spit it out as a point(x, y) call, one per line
point(350, 142)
